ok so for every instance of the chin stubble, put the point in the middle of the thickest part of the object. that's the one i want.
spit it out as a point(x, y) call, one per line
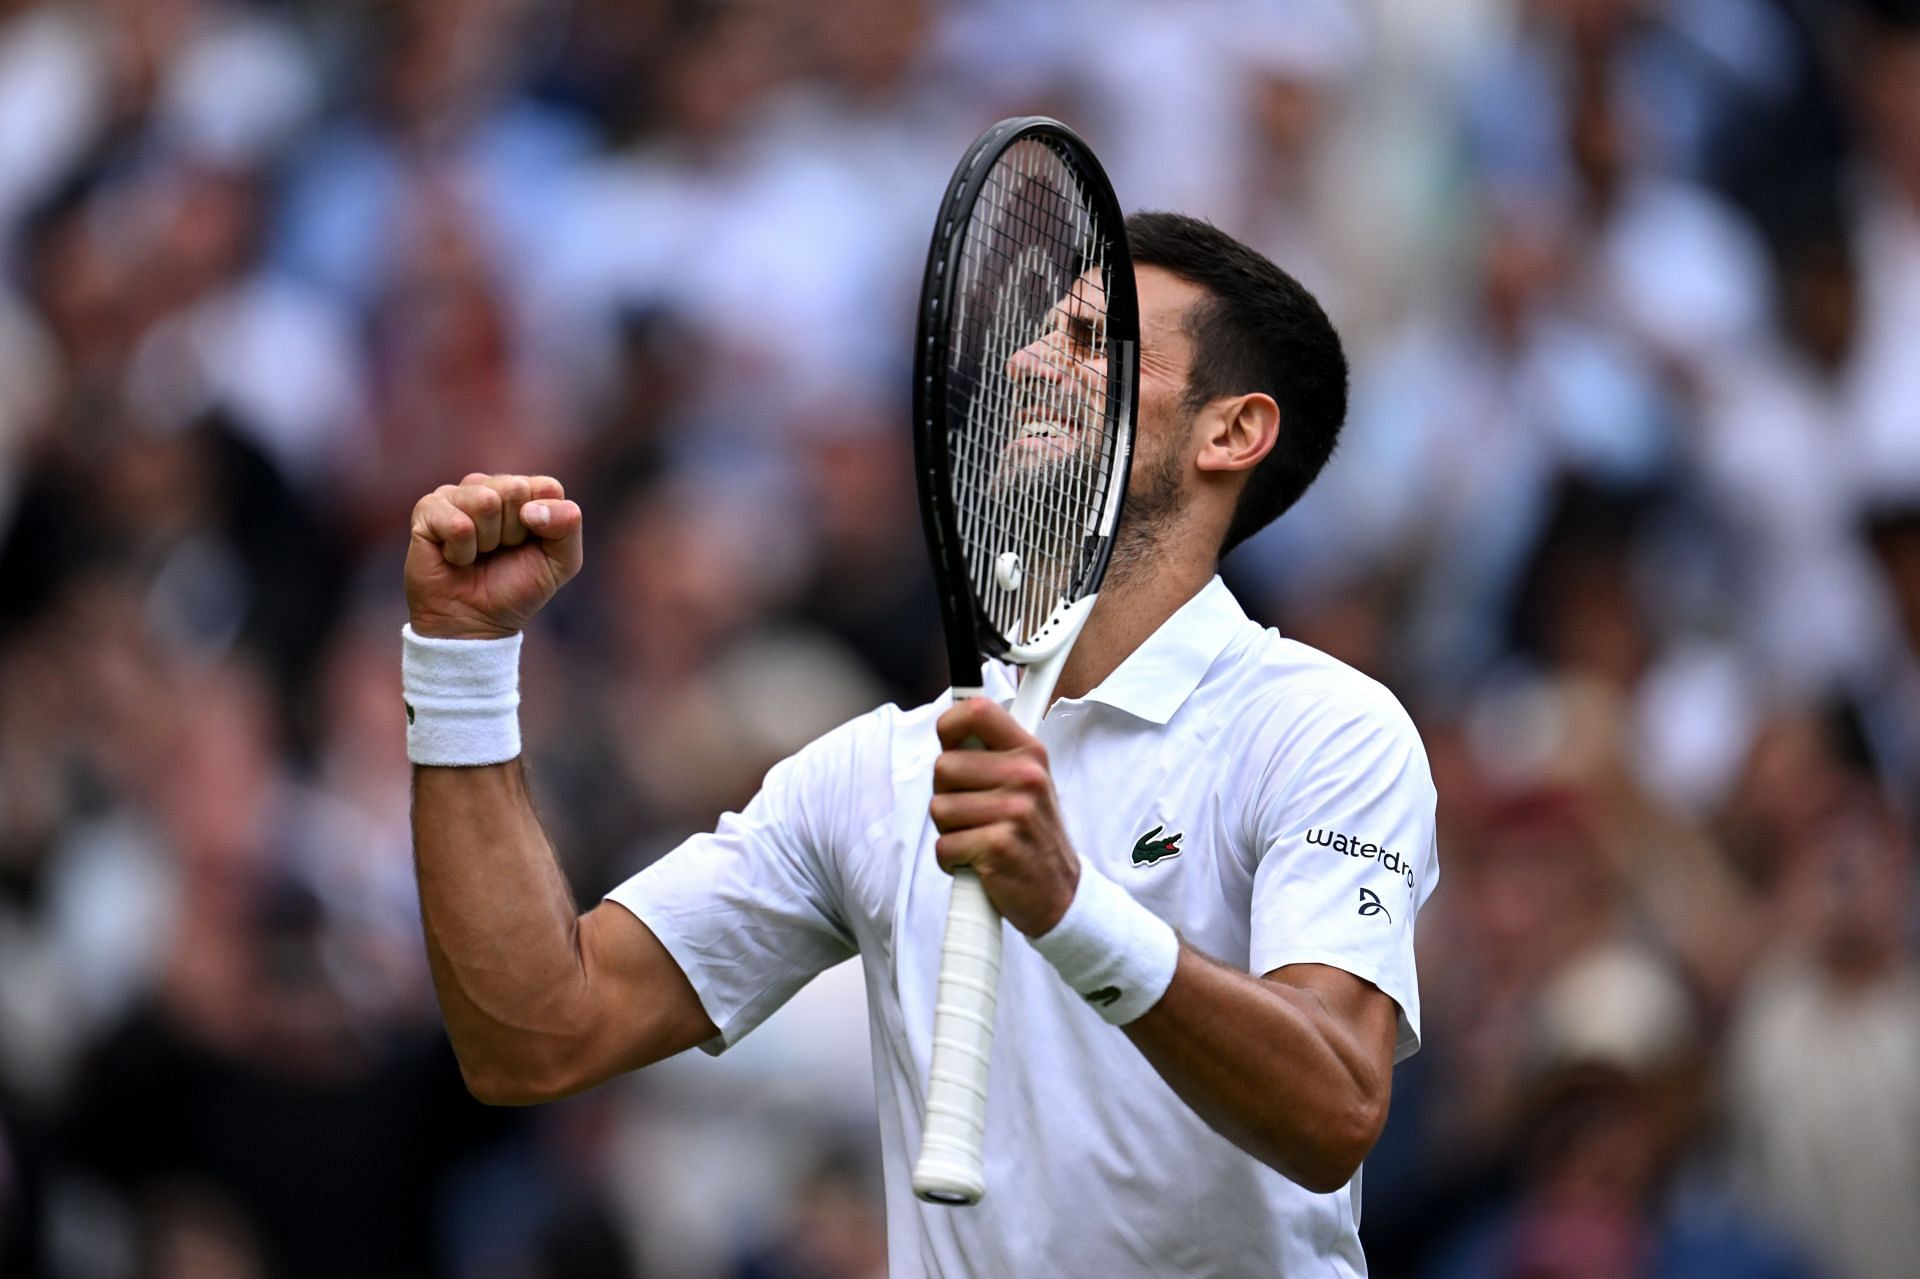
point(1153, 503)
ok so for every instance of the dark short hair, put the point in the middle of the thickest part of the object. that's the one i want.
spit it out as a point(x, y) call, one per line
point(1258, 330)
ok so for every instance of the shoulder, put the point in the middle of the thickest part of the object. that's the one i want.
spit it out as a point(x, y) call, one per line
point(1289, 695)
point(1305, 731)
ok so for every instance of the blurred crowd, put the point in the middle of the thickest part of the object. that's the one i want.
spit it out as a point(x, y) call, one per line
point(1627, 513)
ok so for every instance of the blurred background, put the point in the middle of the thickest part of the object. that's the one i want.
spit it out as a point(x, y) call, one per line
point(1627, 512)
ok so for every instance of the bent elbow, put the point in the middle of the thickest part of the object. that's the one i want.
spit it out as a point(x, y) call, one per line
point(502, 1088)
point(1343, 1147)
point(1329, 1170)
point(522, 1082)
point(1326, 1175)
point(504, 1095)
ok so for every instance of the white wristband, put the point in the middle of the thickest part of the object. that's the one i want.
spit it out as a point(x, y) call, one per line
point(1116, 953)
point(462, 699)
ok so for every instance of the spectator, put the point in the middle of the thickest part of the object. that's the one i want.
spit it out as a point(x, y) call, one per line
point(1823, 1063)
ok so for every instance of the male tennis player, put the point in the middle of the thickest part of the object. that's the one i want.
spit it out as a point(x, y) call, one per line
point(1230, 830)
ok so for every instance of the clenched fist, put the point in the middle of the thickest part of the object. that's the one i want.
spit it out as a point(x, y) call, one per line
point(995, 809)
point(486, 554)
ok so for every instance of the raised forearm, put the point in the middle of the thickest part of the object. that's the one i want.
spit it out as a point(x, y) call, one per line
point(503, 937)
point(539, 1001)
point(1271, 1066)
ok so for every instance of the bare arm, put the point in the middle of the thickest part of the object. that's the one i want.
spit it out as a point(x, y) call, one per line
point(539, 1001)
point(1295, 1068)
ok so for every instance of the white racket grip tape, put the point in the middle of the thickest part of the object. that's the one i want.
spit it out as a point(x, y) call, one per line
point(463, 699)
point(949, 1170)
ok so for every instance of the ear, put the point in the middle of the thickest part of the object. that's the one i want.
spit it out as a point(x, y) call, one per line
point(1238, 432)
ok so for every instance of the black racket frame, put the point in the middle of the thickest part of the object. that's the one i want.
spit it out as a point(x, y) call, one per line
point(970, 636)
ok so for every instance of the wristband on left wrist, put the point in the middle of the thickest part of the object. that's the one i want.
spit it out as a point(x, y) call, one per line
point(1116, 953)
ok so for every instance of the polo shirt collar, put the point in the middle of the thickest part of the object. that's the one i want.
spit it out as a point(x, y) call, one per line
point(1158, 677)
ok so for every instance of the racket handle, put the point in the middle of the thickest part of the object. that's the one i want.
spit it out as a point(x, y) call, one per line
point(949, 1169)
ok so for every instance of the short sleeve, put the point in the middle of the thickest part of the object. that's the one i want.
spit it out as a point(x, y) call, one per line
point(1345, 831)
point(750, 912)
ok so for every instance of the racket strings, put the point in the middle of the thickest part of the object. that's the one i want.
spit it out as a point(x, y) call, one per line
point(1033, 464)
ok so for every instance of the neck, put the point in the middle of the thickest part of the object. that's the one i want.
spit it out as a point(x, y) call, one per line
point(1139, 593)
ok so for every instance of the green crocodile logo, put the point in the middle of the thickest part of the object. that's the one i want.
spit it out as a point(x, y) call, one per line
point(1103, 996)
point(1151, 848)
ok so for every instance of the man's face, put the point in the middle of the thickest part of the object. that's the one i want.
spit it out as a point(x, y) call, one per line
point(1061, 380)
point(1050, 439)
point(1062, 377)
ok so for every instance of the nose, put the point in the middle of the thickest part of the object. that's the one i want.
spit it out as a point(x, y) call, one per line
point(1039, 359)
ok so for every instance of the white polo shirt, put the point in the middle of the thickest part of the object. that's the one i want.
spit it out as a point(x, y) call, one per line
point(1271, 803)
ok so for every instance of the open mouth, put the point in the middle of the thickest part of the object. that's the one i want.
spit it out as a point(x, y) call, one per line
point(1039, 432)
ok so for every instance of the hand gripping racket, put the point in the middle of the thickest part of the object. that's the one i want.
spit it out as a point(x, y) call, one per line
point(1024, 379)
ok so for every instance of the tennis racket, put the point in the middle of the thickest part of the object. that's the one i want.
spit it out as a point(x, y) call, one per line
point(1024, 378)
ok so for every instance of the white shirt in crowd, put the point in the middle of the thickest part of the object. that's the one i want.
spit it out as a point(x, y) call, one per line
point(1271, 803)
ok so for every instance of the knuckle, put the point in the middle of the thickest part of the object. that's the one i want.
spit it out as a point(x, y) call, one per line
point(950, 771)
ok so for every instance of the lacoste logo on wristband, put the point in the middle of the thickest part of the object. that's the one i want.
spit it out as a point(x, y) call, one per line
point(1102, 997)
point(1151, 848)
point(409, 706)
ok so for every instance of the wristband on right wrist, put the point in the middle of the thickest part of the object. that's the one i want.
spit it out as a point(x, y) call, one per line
point(1116, 953)
point(462, 698)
